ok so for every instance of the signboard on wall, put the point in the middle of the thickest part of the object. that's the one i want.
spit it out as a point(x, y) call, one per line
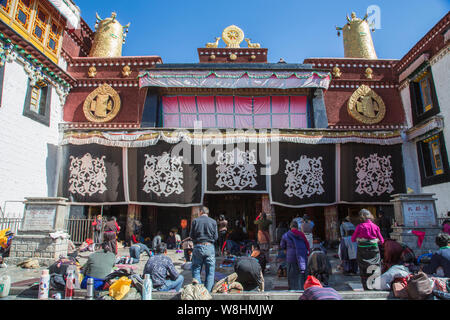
point(419, 214)
point(39, 217)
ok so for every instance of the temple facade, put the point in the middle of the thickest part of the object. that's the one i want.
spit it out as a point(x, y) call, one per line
point(143, 140)
point(152, 141)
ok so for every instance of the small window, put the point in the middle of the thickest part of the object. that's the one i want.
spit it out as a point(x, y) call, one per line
point(425, 94)
point(40, 25)
point(37, 103)
point(5, 5)
point(433, 160)
point(53, 38)
point(23, 12)
point(423, 97)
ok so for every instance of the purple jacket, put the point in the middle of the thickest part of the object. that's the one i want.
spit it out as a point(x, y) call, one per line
point(297, 248)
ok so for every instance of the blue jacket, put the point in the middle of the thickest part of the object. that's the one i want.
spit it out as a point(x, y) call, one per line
point(296, 248)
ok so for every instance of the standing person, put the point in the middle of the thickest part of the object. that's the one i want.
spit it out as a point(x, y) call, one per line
point(446, 226)
point(280, 230)
point(263, 231)
point(184, 229)
point(162, 271)
point(223, 228)
point(97, 225)
point(297, 251)
point(385, 224)
point(347, 248)
point(367, 235)
point(110, 233)
point(307, 228)
point(204, 234)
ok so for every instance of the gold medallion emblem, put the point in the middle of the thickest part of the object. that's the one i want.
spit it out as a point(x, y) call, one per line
point(233, 36)
point(102, 104)
point(366, 106)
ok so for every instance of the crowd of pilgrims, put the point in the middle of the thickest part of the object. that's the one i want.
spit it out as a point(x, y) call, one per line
point(300, 257)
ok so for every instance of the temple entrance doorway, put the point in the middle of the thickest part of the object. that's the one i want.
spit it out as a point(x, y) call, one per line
point(235, 207)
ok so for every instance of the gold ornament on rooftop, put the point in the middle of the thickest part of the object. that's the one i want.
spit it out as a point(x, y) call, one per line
point(109, 37)
point(102, 104)
point(92, 72)
point(213, 44)
point(357, 39)
point(368, 73)
point(126, 71)
point(366, 106)
point(232, 36)
point(336, 72)
point(252, 45)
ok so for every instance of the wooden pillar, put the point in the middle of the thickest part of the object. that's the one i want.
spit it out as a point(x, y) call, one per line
point(152, 219)
point(269, 210)
point(331, 223)
point(133, 212)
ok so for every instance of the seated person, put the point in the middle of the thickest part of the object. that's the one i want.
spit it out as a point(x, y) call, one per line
point(136, 250)
point(162, 271)
point(440, 258)
point(319, 265)
point(249, 274)
point(187, 245)
point(98, 266)
point(260, 256)
point(171, 242)
point(315, 291)
point(5, 244)
point(156, 240)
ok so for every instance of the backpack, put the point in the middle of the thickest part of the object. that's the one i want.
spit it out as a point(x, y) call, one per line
point(58, 273)
point(419, 287)
point(195, 291)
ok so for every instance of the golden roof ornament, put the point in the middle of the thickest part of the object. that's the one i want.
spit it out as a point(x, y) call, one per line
point(109, 37)
point(357, 38)
point(232, 36)
point(366, 106)
point(213, 44)
point(252, 45)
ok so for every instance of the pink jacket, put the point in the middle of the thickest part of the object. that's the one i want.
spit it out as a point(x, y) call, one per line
point(367, 230)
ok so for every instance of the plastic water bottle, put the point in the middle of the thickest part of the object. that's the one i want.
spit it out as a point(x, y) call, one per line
point(5, 286)
point(70, 284)
point(147, 288)
point(90, 289)
point(44, 285)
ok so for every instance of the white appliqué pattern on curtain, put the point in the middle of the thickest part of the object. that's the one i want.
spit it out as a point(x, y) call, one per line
point(374, 175)
point(236, 169)
point(87, 175)
point(304, 177)
point(163, 174)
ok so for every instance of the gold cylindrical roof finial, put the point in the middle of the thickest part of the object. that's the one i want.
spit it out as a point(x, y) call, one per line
point(109, 37)
point(357, 38)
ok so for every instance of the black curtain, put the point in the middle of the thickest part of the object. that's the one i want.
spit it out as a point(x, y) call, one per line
point(306, 175)
point(371, 173)
point(236, 168)
point(92, 173)
point(160, 174)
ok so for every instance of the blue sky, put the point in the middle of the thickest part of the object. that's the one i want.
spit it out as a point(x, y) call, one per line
point(291, 29)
